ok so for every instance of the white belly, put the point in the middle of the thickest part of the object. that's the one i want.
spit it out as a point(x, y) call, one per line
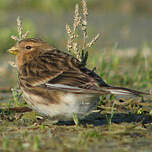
point(71, 103)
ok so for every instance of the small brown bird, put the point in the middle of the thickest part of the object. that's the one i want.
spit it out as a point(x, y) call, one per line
point(57, 84)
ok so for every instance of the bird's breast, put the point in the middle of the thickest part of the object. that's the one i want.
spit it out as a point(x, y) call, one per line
point(80, 104)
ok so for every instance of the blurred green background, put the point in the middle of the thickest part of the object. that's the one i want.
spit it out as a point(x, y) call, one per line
point(126, 23)
point(123, 23)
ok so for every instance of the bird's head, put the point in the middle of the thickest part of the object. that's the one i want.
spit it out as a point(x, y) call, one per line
point(28, 49)
point(29, 45)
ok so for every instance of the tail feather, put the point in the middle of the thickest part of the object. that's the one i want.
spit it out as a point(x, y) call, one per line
point(125, 91)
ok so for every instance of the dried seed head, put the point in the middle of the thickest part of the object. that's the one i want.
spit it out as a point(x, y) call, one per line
point(68, 30)
point(70, 38)
point(19, 27)
point(75, 47)
point(76, 19)
point(13, 64)
point(79, 33)
point(20, 31)
point(84, 7)
point(69, 45)
point(25, 34)
point(84, 23)
point(76, 50)
point(14, 38)
point(92, 42)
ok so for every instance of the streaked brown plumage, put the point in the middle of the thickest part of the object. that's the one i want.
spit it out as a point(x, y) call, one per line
point(55, 83)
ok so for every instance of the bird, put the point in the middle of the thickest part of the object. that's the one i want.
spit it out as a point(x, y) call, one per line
point(56, 84)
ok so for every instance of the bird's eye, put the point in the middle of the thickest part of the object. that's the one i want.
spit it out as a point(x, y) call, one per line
point(28, 47)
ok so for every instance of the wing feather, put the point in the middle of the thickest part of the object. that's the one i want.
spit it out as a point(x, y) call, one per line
point(58, 70)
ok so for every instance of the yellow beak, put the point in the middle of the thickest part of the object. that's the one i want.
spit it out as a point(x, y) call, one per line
point(13, 50)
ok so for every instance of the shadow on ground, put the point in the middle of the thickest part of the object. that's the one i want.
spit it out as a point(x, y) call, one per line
point(95, 119)
point(98, 119)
